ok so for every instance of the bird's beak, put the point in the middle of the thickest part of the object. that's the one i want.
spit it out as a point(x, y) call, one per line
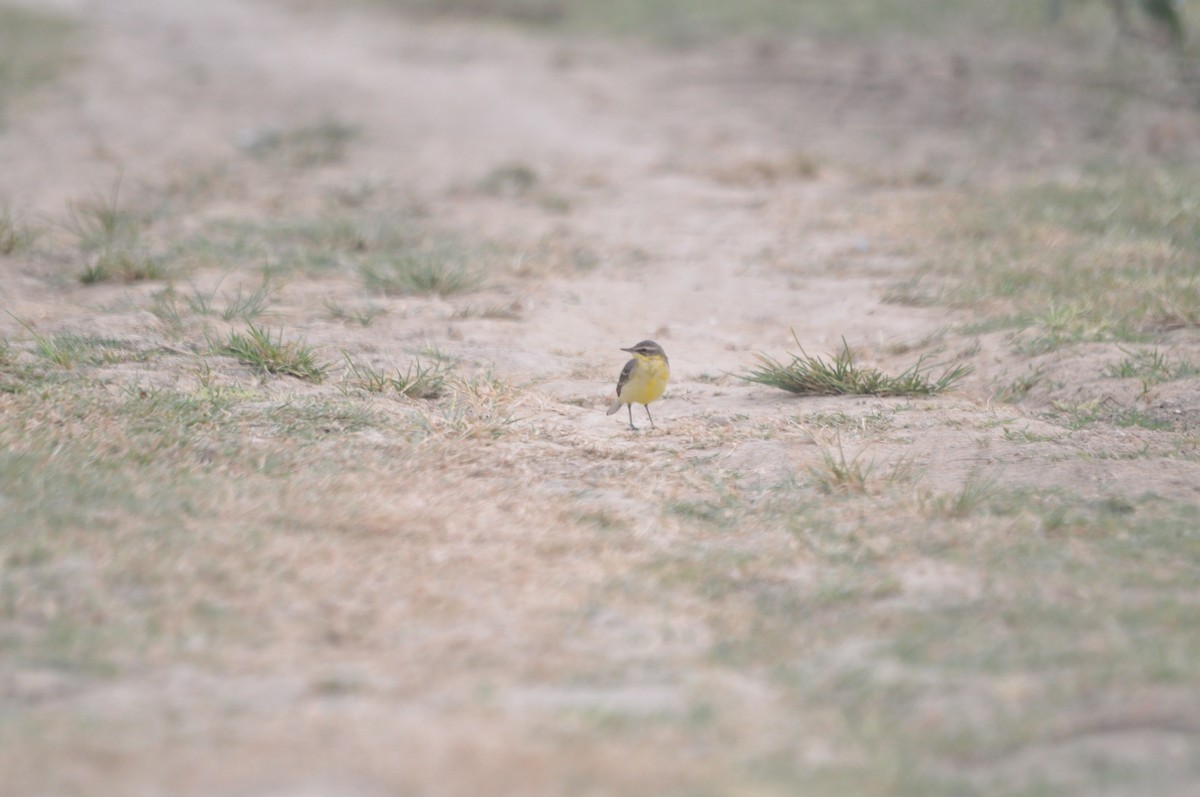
point(630, 350)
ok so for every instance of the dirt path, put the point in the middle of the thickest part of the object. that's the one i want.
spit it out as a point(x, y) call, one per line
point(687, 236)
point(717, 201)
point(691, 181)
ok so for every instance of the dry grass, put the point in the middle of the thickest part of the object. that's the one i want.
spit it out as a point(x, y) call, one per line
point(16, 235)
point(109, 236)
point(1108, 256)
point(210, 551)
point(261, 350)
point(835, 607)
point(479, 407)
point(509, 180)
point(392, 252)
point(817, 616)
point(417, 381)
point(303, 147)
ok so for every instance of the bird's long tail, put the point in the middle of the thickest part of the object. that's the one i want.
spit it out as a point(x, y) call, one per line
point(616, 405)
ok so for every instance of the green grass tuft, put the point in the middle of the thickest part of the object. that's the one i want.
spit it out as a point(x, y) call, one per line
point(1151, 367)
point(976, 492)
point(417, 382)
point(510, 180)
point(839, 475)
point(64, 350)
point(244, 306)
point(258, 349)
point(501, 311)
point(1083, 414)
point(814, 376)
point(110, 237)
point(99, 221)
point(363, 316)
point(435, 271)
point(322, 142)
point(311, 419)
point(15, 234)
point(120, 264)
point(68, 350)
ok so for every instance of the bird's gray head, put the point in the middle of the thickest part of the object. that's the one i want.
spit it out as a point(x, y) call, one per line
point(647, 348)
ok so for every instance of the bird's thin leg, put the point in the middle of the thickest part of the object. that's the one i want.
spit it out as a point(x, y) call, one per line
point(630, 408)
point(648, 415)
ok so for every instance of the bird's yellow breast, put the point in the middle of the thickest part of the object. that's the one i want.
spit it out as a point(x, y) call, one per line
point(648, 380)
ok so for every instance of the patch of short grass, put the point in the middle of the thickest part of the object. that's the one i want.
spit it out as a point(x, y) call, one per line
point(1018, 388)
point(124, 264)
point(998, 620)
point(311, 419)
point(101, 568)
point(16, 235)
point(1107, 255)
point(363, 315)
point(304, 146)
point(511, 179)
point(684, 22)
point(417, 381)
point(163, 425)
point(69, 349)
point(502, 311)
point(100, 220)
point(165, 304)
point(477, 407)
point(242, 304)
point(1025, 435)
point(718, 504)
point(1135, 416)
point(704, 511)
point(438, 270)
point(839, 475)
point(393, 252)
point(65, 350)
point(1151, 367)
point(262, 350)
point(109, 236)
point(557, 253)
point(35, 47)
point(768, 170)
point(315, 245)
point(1083, 414)
point(18, 377)
point(814, 376)
point(869, 422)
point(977, 490)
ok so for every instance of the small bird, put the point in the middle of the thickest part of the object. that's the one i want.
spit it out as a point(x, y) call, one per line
point(643, 379)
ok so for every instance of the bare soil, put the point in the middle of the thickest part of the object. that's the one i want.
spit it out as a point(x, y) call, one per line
point(719, 200)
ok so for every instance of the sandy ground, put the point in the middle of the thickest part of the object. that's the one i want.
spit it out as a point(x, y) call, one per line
point(725, 198)
point(676, 168)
